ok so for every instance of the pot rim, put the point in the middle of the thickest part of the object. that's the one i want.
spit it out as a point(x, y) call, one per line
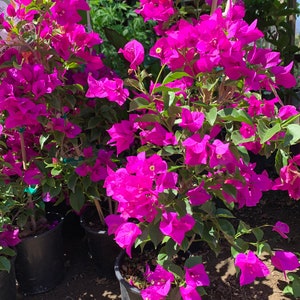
point(60, 220)
point(119, 276)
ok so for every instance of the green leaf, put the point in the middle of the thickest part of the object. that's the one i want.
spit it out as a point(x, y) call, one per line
point(138, 103)
point(173, 76)
point(259, 234)
point(155, 234)
point(77, 199)
point(230, 190)
point(72, 181)
point(292, 135)
point(281, 160)
point(4, 264)
point(173, 268)
point(288, 290)
point(192, 261)
point(263, 247)
point(243, 228)
point(240, 246)
point(161, 258)
point(211, 116)
point(168, 99)
point(7, 251)
point(233, 114)
point(224, 213)
point(56, 171)
point(43, 139)
point(226, 227)
point(148, 118)
point(238, 139)
point(265, 132)
point(296, 287)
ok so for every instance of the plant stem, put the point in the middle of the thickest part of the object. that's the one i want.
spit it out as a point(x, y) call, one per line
point(24, 163)
point(99, 210)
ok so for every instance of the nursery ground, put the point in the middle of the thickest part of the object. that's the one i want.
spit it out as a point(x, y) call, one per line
point(81, 281)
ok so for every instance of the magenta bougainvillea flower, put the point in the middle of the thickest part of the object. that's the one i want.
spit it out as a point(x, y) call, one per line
point(282, 229)
point(285, 261)
point(196, 149)
point(198, 195)
point(290, 178)
point(113, 222)
point(112, 89)
point(196, 276)
point(160, 280)
point(191, 120)
point(251, 267)
point(189, 293)
point(122, 135)
point(9, 237)
point(134, 53)
point(158, 135)
point(175, 227)
point(157, 10)
point(125, 236)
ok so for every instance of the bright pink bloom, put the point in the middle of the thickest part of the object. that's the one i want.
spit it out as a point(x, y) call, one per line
point(122, 135)
point(160, 280)
point(189, 293)
point(198, 195)
point(157, 10)
point(125, 236)
point(196, 276)
point(290, 178)
point(196, 149)
point(283, 76)
point(134, 53)
point(209, 2)
point(285, 261)
point(83, 170)
point(158, 135)
point(176, 227)
point(32, 176)
point(251, 267)
point(220, 155)
point(282, 229)
point(106, 88)
point(192, 120)
point(9, 237)
point(152, 293)
point(287, 111)
point(113, 222)
point(69, 129)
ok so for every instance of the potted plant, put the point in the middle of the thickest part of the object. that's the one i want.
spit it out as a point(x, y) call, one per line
point(46, 55)
point(193, 127)
point(51, 130)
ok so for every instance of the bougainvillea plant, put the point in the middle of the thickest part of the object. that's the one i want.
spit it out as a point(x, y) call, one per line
point(197, 124)
point(48, 126)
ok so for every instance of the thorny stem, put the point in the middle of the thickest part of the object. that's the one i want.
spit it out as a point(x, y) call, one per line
point(24, 163)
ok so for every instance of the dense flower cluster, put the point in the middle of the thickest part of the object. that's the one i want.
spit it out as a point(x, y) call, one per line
point(196, 127)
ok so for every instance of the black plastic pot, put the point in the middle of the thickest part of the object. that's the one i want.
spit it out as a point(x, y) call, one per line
point(101, 246)
point(40, 260)
point(8, 290)
point(128, 292)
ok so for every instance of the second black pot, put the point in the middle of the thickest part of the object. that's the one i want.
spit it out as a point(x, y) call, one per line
point(40, 260)
point(103, 250)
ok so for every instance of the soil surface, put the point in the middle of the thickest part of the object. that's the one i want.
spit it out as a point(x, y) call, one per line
point(82, 281)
